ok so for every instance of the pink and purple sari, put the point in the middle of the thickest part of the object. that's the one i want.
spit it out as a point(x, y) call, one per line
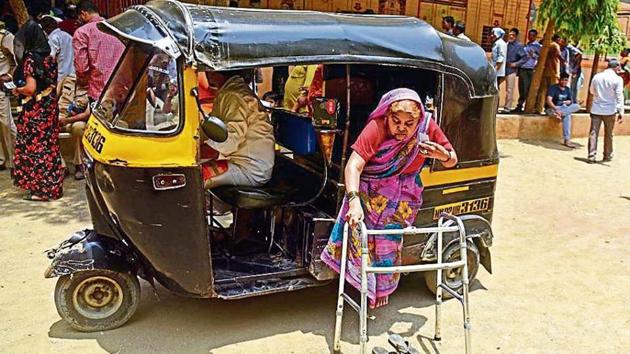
point(390, 199)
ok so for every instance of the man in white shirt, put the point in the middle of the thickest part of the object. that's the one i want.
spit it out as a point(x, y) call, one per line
point(459, 29)
point(60, 47)
point(7, 126)
point(607, 90)
point(499, 54)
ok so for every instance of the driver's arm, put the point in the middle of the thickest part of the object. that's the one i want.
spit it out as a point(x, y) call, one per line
point(233, 111)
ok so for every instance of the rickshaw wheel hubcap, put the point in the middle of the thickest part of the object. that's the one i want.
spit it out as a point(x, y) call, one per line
point(97, 297)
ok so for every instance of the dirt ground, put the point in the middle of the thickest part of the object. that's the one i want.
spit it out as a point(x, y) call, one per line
point(560, 282)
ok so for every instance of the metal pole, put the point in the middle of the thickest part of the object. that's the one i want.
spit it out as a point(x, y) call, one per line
point(346, 134)
point(342, 281)
point(438, 289)
point(363, 337)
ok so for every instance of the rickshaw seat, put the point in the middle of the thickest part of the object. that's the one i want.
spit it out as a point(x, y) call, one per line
point(266, 196)
point(289, 182)
point(287, 185)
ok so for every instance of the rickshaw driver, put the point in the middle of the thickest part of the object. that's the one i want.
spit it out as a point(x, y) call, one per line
point(248, 153)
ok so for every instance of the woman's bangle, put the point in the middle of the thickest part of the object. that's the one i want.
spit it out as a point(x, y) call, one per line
point(351, 195)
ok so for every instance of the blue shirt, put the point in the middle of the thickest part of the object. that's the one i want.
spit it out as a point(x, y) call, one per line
point(559, 95)
point(575, 68)
point(513, 50)
point(529, 55)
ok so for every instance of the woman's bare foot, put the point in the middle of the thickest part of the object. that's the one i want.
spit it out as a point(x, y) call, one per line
point(380, 302)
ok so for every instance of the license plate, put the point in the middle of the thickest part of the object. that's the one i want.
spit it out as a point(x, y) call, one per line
point(465, 207)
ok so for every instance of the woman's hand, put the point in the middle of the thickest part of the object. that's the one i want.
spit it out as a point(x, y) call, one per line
point(355, 212)
point(434, 150)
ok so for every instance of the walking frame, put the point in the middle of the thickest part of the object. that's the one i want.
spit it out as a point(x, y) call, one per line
point(446, 223)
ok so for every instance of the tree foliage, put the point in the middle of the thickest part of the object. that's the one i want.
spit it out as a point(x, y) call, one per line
point(592, 23)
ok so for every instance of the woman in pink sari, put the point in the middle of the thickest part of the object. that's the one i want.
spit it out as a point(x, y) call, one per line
point(383, 186)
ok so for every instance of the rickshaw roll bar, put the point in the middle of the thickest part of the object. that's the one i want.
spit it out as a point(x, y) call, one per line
point(346, 132)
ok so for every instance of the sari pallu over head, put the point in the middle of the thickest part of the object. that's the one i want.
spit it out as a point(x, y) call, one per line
point(30, 40)
point(390, 200)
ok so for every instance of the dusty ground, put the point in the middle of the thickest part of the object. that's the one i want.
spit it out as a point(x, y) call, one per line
point(560, 285)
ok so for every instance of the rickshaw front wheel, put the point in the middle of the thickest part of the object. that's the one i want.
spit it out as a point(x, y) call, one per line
point(453, 277)
point(97, 300)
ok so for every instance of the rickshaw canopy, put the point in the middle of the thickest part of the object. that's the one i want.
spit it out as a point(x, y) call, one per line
point(234, 38)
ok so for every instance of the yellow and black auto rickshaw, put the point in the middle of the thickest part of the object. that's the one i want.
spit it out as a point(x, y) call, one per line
point(152, 217)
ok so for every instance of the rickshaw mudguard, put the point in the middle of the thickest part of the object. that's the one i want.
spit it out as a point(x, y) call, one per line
point(480, 231)
point(91, 252)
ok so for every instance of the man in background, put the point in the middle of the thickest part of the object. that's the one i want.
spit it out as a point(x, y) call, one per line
point(71, 100)
point(459, 29)
point(607, 90)
point(448, 22)
point(528, 59)
point(551, 74)
point(514, 48)
point(561, 105)
point(499, 54)
point(7, 126)
point(95, 53)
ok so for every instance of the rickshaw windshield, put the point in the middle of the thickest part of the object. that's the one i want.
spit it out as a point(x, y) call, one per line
point(143, 93)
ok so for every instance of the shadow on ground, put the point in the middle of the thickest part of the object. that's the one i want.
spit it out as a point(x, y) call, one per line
point(209, 324)
point(598, 162)
point(71, 207)
point(552, 144)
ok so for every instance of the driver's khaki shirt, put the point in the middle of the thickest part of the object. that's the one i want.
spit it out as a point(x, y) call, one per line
point(250, 142)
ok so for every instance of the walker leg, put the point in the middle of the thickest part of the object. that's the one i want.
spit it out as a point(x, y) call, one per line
point(465, 289)
point(363, 336)
point(340, 300)
point(438, 290)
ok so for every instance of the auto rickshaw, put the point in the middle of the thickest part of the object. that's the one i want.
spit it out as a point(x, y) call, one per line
point(152, 217)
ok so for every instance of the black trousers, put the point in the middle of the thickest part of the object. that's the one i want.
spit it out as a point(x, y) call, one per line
point(525, 77)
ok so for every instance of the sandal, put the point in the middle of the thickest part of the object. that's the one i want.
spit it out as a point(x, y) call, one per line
point(381, 350)
point(34, 198)
point(401, 345)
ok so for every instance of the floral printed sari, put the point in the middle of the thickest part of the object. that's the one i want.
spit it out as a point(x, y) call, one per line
point(390, 199)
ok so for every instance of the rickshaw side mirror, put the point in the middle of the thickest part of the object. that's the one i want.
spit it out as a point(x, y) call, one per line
point(214, 128)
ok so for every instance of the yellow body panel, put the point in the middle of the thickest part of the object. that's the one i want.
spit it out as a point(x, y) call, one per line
point(142, 150)
point(457, 175)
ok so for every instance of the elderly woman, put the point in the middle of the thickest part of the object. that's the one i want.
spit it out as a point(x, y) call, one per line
point(383, 185)
point(38, 167)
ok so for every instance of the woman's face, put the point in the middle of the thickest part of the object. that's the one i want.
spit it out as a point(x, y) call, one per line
point(402, 123)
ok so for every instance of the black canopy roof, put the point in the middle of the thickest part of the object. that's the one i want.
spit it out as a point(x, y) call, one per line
point(233, 38)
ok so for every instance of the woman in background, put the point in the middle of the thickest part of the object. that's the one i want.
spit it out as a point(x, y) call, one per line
point(38, 167)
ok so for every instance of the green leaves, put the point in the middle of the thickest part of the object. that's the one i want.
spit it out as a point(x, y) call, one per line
point(592, 23)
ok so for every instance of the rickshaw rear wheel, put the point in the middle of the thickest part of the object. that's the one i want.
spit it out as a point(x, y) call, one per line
point(97, 300)
point(453, 277)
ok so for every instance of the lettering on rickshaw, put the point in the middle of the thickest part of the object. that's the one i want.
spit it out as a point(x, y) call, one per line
point(95, 139)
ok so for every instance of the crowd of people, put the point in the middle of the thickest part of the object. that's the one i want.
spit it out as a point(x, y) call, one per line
point(54, 67)
point(515, 63)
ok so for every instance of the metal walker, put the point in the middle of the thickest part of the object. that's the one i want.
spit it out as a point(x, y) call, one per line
point(446, 223)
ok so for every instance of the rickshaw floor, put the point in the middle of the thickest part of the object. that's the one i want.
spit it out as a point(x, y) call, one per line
point(229, 268)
